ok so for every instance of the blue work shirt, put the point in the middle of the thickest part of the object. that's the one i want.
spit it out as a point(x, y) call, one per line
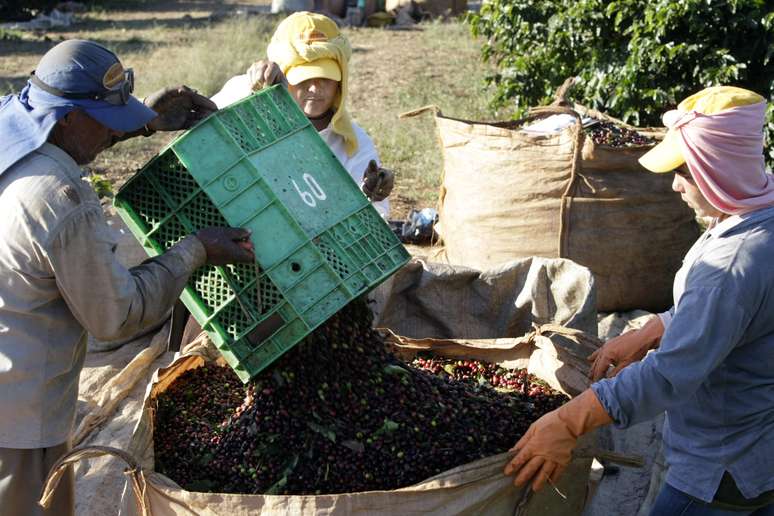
point(713, 373)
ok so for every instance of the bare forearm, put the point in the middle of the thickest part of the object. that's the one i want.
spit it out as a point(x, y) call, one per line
point(626, 349)
point(651, 332)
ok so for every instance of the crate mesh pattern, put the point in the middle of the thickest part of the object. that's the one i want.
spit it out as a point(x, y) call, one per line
point(256, 312)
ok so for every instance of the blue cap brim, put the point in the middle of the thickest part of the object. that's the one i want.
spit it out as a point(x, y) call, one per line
point(125, 118)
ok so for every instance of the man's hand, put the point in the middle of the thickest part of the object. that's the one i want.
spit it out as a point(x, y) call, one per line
point(178, 107)
point(226, 245)
point(265, 73)
point(544, 452)
point(377, 182)
point(625, 349)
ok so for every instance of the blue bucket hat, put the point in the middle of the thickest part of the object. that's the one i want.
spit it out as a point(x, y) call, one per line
point(75, 74)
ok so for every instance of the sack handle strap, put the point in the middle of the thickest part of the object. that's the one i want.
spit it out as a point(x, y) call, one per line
point(569, 191)
point(560, 97)
point(91, 452)
point(576, 336)
point(418, 111)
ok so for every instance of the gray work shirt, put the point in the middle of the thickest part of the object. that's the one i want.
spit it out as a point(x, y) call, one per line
point(714, 370)
point(60, 279)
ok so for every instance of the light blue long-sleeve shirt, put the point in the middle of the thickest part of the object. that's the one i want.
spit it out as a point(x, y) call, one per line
point(713, 373)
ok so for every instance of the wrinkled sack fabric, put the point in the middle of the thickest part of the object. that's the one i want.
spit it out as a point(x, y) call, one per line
point(475, 488)
point(554, 353)
point(437, 300)
point(506, 194)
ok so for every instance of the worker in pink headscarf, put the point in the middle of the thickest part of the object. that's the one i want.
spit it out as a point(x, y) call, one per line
point(712, 368)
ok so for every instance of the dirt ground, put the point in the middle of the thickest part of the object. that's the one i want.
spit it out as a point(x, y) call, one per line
point(391, 71)
point(122, 27)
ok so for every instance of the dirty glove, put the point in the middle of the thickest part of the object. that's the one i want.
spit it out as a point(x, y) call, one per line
point(178, 107)
point(625, 349)
point(545, 450)
point(377, 182)
point(226, 245)
point(265, 73)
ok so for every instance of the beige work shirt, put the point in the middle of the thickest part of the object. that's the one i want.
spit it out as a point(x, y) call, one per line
point(59, 278)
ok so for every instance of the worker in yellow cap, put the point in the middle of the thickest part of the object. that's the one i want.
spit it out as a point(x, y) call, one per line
point(712, 365)
point(309, 55)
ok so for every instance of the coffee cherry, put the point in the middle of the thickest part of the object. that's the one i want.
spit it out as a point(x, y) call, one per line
point(340, 413)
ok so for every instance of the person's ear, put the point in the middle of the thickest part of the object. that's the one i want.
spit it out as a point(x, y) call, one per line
point(68, 119)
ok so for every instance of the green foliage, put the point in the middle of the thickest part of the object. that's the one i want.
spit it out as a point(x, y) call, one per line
point(633, 58)
point(102, 185)
point(10, 35)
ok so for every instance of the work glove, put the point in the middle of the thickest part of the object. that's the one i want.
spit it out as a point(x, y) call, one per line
point(377, 182)
point(625, 349)
point(264, 73)
point(543, 453)
point(178, 107)
point(226, 245)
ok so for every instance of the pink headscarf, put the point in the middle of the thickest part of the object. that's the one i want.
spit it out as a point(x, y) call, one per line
point(724, 152)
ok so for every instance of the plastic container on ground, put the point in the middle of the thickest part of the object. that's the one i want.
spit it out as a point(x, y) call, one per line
point(260, 164)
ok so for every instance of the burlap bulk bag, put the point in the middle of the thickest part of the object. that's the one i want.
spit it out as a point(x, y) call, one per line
point(429, 300)
point(475, 488)
point(507, 194)
point(444, 301)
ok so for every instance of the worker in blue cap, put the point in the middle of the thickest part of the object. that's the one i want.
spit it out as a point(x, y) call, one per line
point(60, 277)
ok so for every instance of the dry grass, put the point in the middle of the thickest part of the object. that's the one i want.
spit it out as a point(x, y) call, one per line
point(202, 44)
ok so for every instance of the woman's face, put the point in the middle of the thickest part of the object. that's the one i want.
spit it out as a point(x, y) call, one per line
point(315, 97)
point(684, 184)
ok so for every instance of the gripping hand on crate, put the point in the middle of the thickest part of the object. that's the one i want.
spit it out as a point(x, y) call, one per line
point(226, 245)
point(265, 73)
point(178, 107)
point(377, 182)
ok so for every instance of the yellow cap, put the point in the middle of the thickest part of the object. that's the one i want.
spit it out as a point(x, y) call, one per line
point(668, 155)
point(318, 69)
point(308, 45)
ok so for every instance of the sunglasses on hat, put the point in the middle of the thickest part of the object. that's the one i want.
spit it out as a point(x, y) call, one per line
point(117, 96)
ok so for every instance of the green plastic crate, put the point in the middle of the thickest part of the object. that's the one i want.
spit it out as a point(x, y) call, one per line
point(319, 243)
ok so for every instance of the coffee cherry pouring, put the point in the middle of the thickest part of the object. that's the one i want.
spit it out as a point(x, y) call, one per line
point(340, 413)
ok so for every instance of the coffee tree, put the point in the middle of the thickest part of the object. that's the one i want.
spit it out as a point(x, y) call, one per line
point(633, 58)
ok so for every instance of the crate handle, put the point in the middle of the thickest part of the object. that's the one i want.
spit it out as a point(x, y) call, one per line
point(265, 329)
